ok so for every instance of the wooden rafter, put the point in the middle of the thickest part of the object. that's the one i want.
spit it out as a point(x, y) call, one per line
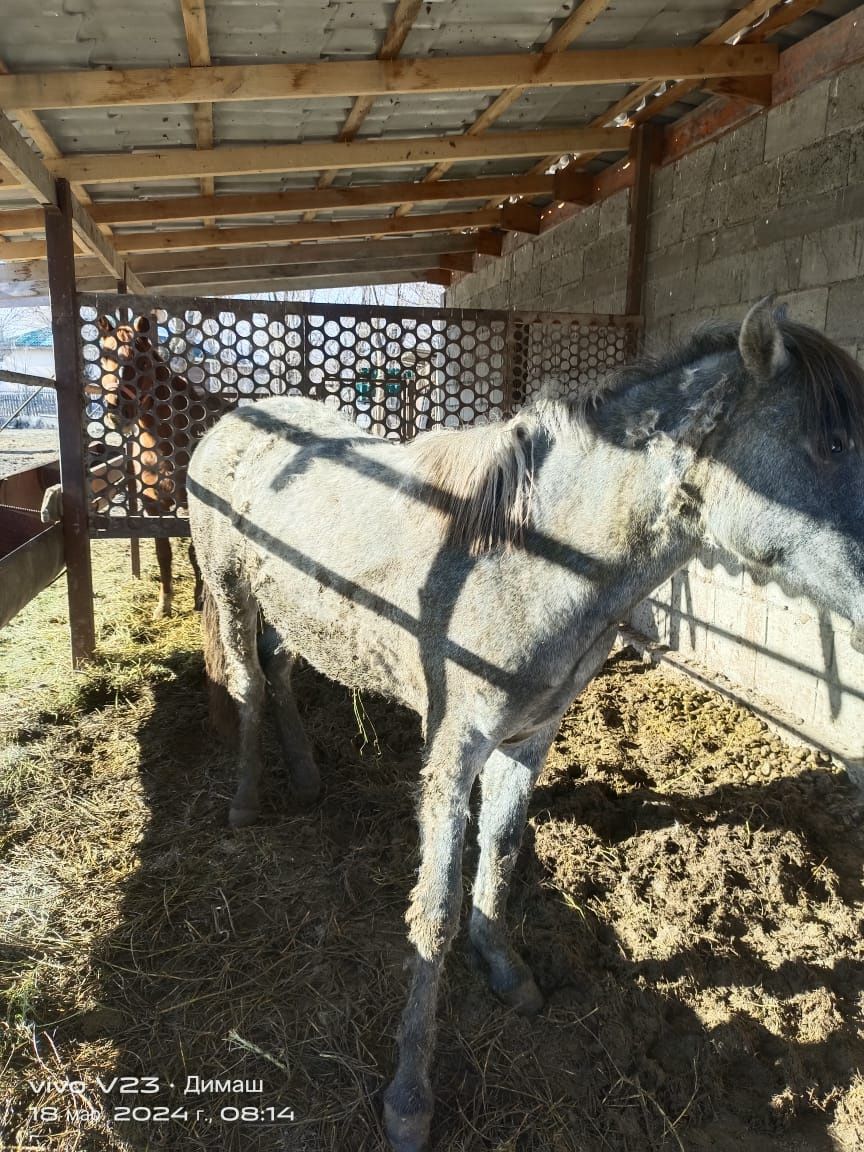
point(240, 262)
point(339, 79)
point(573, 27)
point(565, 186)
point(198, 48)
point(33, 291)
point(176, 163)
point(31, 171)
point(307, 241)
point(401, 22)
point(306, 279)
point(186, 238)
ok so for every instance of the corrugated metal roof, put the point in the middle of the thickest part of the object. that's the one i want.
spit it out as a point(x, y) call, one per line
point(37, 35)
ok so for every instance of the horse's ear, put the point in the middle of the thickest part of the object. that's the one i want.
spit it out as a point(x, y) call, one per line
point(761, 341)
point(104, 325)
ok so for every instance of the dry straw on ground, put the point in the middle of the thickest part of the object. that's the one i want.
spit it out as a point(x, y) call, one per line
point(689, 896)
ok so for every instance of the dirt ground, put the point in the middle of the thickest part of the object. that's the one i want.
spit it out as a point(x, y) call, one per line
point(689, 895)
point(22, 448)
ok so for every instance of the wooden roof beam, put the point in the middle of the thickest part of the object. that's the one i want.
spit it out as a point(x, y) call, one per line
point(177, 163)
point(299, 283)
point(351, 78)
point(33, 174)
point(512, 218)
point(32, 292)
point(198, 48)
point(489, 243)
point(425, 247)
point(569, 186)
point(252, 276)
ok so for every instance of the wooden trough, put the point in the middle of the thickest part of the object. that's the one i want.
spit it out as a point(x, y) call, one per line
point(31, 554)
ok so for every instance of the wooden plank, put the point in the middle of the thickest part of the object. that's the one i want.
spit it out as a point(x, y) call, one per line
point(22, 220)
point(751, 89)
point(349, 78)
point(192, 277)
point(575, 24)
point(17, 250)
point(315, 230)
point(195, 25)
point(457, 261)
point(274, 203)
point(270, 250)
point(176, 163)
point(301, 283)
point(198, 48)
point(24, 164)
point(64, 314)
point(314, 253)
point(26, 378)
point(101, 247)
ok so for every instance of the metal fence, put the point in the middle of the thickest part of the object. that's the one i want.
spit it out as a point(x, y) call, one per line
point(158, 372)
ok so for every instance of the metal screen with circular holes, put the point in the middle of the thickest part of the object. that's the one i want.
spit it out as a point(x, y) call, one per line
point(158, 372)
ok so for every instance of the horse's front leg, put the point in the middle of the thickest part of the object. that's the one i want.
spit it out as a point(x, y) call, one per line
point(166, 586)
point(433, 916)
point(507, 781)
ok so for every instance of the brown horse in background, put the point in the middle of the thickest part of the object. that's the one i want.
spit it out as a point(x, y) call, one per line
point(161, 416)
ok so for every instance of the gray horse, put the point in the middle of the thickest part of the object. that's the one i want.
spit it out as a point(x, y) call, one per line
point(478, 577)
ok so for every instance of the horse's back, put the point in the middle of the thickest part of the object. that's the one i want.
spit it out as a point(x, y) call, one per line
point(248, 464)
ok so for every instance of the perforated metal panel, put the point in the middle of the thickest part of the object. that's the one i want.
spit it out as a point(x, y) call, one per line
point(158, 373)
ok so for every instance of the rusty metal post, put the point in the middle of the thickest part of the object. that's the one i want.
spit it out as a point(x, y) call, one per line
point(644, 154)
point(64, 323)
point(131, 496)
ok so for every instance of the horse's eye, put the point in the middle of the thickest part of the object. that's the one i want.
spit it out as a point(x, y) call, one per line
point(837, 446)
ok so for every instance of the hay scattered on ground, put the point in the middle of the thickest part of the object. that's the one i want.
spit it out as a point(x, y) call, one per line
point(689, 896)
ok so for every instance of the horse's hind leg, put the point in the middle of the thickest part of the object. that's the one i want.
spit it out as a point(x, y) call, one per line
point(296, 750)
point(166, 587)
point(507, 782)
point(238, 625)
point(199, 582)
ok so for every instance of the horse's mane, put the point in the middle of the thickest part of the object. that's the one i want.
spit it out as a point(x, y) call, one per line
point(480, 480)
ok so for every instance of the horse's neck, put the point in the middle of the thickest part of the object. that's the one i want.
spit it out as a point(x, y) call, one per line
point(626, 511)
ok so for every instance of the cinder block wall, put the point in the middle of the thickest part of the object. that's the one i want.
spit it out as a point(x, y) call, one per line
point(774, 206)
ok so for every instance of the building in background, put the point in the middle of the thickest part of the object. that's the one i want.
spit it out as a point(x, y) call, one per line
point(29, 351)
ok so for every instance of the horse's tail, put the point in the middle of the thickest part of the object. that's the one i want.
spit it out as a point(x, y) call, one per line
point(223, 713)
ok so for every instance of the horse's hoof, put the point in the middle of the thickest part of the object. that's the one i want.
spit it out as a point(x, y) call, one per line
point(407, 1133)
point(525, 998)
point(242, 817)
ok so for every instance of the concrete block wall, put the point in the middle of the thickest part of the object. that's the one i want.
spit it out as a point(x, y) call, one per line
point(775, 206)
